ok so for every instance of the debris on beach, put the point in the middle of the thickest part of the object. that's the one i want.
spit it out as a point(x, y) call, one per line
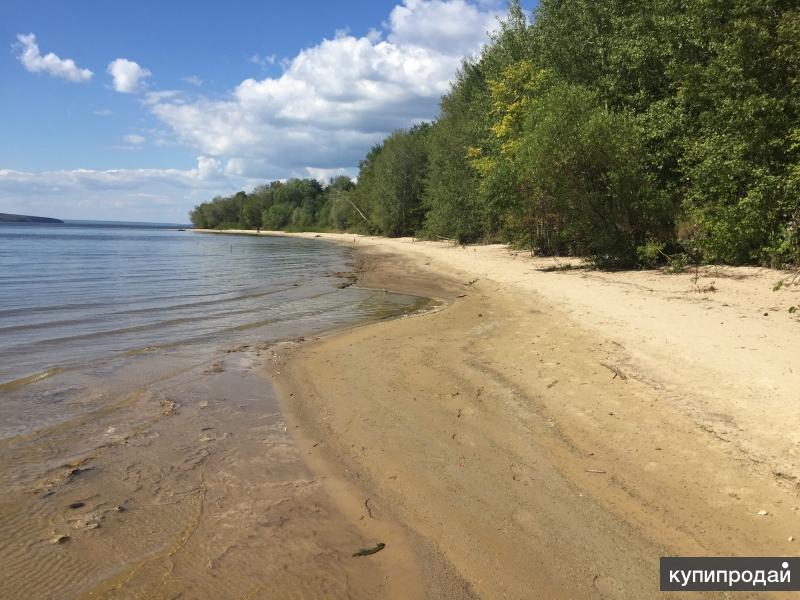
point(762, 513)
point(615, 370)
point(349, 278)
point(75, 505)
point(74, 472)
point(367, 551)
point(170, 407)
point(59, 539)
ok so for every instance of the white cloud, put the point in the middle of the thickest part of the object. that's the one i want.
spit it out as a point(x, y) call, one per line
point(262, 61)
point(135, 139)
point(438, 25)
point(32, 59)
point(318, 118)
point(129, 194)
point(193, 80)
point(337, 98)
point(162, 95)
point(325, 175)
point(128, 77)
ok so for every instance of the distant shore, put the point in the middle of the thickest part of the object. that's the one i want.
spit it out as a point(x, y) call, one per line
point(9, 218)
point(558, 429)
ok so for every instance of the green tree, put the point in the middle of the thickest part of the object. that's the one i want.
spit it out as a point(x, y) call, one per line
point(391, 181)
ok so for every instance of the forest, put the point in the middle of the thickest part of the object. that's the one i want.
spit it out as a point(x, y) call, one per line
point(632, 133)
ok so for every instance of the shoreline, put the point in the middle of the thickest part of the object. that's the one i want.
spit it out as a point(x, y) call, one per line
point(175, 472)
point(558, 430)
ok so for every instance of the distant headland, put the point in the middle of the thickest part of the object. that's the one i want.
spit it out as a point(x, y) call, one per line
point(8, 218)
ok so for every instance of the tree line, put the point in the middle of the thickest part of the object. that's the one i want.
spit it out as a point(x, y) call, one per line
point(628, 132)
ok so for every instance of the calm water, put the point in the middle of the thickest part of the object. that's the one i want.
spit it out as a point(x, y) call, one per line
point(71, 295)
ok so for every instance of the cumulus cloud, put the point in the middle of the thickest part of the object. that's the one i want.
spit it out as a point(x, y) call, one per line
point(317, 118)
point(337, 98)
point(127, 76)
point(32, 59)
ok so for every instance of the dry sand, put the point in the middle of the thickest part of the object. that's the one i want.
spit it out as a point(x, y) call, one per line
point(498, 429)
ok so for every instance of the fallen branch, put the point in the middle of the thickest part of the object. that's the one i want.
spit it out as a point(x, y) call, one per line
point(616, 371)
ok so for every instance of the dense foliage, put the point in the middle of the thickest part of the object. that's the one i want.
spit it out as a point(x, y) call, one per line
point(627, 132)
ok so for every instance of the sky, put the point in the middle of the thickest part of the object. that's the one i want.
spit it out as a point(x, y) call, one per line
point(138, 111)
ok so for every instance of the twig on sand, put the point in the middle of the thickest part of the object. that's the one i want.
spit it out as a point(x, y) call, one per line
point(369, 510)
point(595, 471)
point(367, 551)
point(616, 371)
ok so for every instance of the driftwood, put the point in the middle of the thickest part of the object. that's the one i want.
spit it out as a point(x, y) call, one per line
point(616, 371)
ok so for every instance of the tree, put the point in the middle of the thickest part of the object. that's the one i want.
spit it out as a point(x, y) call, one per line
point(391, 182)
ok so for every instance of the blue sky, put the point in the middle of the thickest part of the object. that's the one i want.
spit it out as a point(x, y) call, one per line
point(137, 111)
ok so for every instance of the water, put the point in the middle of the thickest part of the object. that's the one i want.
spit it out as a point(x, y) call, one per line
point(87, 299)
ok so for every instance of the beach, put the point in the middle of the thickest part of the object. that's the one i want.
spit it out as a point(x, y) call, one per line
point(528, 427)
point(553, 430)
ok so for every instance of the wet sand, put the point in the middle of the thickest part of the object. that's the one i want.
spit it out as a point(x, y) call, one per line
point(192, 487)
point(553, 432)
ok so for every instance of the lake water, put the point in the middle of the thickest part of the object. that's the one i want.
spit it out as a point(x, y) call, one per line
point(81, 299)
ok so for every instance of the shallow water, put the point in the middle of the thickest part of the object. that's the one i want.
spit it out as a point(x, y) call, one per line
point(70, 294)
point(82, 305)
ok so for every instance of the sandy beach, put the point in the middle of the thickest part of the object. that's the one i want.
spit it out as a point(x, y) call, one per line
point(540, 430)
point(552, 431)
